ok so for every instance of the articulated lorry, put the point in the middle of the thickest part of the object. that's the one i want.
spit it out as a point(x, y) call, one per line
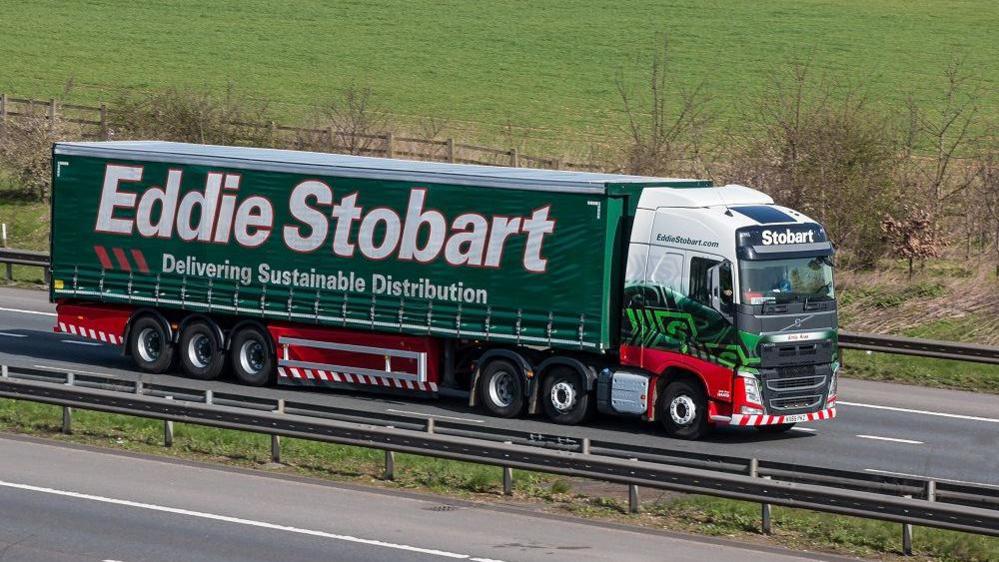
point(533, 291)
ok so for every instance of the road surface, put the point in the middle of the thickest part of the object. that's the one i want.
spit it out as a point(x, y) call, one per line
point(881, 428)
point(64, 503)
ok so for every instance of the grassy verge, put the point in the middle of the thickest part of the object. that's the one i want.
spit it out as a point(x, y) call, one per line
point(937, 373)
point(711, 516)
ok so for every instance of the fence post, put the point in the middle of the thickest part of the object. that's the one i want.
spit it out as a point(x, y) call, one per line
point(514, 157)
point(557, 163)
point(332, 135)
point(52, 114)
point(3, 109)
point(450, 150)
point(507, 476)
point(271, 130)
point(104, 121)
point(276, 439)
point(389, 148)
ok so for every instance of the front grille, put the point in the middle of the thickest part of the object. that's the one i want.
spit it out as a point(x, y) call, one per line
point(796, 383)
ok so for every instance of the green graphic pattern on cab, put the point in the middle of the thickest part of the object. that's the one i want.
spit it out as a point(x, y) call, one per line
point(674, 322)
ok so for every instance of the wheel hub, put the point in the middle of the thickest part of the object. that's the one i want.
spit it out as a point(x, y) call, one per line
point(563, 396)
point(501, 389)
point(150, 345)
point(251, 357)
point(200, 351)
point(682, 410)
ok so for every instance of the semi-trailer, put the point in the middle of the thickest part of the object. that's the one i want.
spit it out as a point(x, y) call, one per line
point(533, 291)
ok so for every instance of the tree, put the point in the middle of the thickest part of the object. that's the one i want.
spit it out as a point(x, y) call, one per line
point(913, 236)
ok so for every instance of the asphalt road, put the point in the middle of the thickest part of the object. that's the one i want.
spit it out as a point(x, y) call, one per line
point(73, 504)
point(885, 428)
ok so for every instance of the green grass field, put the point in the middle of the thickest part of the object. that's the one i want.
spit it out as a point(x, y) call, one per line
point(546, 68)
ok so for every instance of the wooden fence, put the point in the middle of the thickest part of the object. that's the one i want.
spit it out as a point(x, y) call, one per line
point(95, 124)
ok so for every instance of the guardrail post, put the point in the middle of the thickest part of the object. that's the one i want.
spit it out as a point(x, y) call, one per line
point(389, 461)
point(907, 537)
point(507, 476)
point(766, 520)
point(209, 397)
point(138, 387)
point(67, 412)
point(634, 505)
point(584, 447)
point(430, 425)
point(276, 439)
point(168, 430)
point(4, 373)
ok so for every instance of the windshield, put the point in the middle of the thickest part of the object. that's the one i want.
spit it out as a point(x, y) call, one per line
point(787, 280)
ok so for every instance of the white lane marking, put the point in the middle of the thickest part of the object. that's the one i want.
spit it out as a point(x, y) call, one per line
point(923, 412)
point(435, 416)
point(236, 520)
point(22, 311)
point(74, 370)
point(9, 335)
point(75, 342)
point(805, 429)
point(890, 473)
point(892, 439)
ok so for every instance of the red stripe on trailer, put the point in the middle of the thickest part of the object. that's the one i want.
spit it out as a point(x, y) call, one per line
point(119, 255)
point(103, 257)
point(140, 260)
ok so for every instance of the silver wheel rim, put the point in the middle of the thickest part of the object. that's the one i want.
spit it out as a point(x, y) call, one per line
point(200, 351)
point(150, 345)
point(501, 389)
point(251, 357)
point(563, 396)
point(682, 410)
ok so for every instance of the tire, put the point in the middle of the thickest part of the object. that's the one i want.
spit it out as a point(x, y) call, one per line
point(200, 350)
point(565, 398)
point(778, 428)
point(250, 357)
point(683, 410)
point(501, 389)
point(150, 346)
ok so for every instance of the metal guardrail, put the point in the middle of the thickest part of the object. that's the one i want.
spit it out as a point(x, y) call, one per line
point(847, 340)
point(910, 501)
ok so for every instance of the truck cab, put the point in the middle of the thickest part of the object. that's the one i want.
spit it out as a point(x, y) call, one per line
point(729, 305)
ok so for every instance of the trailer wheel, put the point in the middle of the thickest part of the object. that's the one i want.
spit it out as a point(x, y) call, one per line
point(501, 388)
point(150, 345)
point(683, 410)
point(565, 398)
point(250, 356)
point(201, 355)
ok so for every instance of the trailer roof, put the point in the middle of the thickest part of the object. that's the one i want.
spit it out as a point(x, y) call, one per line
point(270, 159)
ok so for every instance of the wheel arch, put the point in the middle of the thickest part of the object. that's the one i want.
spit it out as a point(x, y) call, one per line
point(191, 318)
point(671, 374)
point(519, 359)
point(141, 313)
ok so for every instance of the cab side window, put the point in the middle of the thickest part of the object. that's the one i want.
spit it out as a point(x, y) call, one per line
point(698, 288)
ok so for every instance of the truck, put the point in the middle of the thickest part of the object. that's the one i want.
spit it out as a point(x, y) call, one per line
point(526, 291)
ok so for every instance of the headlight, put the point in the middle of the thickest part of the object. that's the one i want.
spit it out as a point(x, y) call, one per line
point(752, 387)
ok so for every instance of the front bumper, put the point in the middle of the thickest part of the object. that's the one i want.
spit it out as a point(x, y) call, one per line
point(763, 419)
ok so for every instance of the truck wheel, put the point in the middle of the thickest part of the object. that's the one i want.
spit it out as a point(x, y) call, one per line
point(150, 346)
point(778, 428)
point(683, 410)
point(201, 355)
point(565, 398)
point(501, 388)
point(250, 356)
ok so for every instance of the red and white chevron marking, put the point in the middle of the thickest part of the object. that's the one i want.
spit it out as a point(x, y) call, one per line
point(743, 419)
point(90, 333)
point(320, 375)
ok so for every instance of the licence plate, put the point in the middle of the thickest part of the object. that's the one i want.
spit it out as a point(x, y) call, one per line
point(794, 418)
